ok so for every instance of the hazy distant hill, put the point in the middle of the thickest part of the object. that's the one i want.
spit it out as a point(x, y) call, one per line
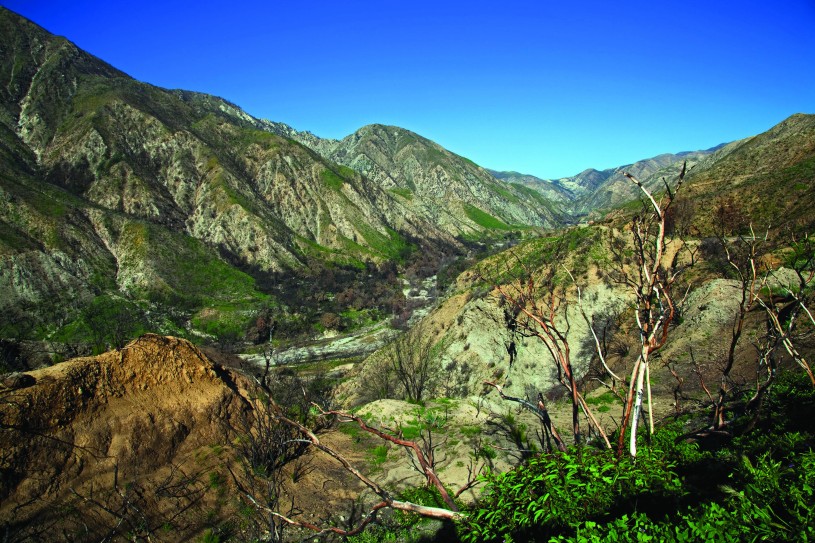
point(592, 189)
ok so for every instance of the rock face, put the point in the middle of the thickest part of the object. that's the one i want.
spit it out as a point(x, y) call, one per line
point(97, 427)
point(112, 185)
point(474, 339)
point(433, 182)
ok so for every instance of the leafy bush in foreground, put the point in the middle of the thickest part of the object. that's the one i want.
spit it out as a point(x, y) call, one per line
point(757, 487)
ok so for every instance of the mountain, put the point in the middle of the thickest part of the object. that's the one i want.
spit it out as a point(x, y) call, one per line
point(767, 180)
point(592, 190)
point(436, 184)
point(549, 189)
point(110, 186)
point(186, 161)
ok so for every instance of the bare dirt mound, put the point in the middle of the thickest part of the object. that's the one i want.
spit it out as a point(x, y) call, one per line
point(103, 438)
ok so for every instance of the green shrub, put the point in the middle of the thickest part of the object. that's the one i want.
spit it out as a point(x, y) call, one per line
point(757, 487)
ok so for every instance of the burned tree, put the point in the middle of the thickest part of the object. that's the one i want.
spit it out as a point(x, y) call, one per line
point(649, 272)
point(537, 302)
point(414, 358)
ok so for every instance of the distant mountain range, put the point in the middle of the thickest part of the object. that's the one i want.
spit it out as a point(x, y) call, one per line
point(113, 187)
point(593, 190)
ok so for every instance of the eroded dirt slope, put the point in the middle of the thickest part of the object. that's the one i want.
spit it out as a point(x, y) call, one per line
point(94, 437)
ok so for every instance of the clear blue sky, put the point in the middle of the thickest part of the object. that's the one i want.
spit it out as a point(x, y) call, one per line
point(540, 87)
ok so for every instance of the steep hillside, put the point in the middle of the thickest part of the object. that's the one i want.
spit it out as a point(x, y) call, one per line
point(768, 179)
point(185, 161)
point(112, 187)
point(550, 189)
point(434, 183)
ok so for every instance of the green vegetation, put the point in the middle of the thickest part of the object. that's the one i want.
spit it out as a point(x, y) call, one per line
point(224, 321)
point(191, 271)
point(407, 194)
point(347, 172)
point(407, 528)
point(484, 219)
point(186, 276)
point(576, 247)
point(379, 455)
point(539, 198)
point(108, 321)
point(354, 319)
point(393, 246)
point(758, 486)
point(13, 240)
point(603, 402)
point(229, 195)
point(331, 179)
point(504, 193)
point(761, 485)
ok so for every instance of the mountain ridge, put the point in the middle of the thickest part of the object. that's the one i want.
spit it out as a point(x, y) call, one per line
point(593, 190)
point(118, 189)
point(411, 165)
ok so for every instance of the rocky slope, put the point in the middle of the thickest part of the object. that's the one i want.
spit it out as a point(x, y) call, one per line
point(112, 186)
point(186, 161)
point(434, 183)
point(768, 179)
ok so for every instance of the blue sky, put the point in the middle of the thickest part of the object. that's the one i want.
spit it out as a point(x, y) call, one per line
point(539, 87)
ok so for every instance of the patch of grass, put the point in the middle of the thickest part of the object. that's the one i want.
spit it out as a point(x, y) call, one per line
point(191, 269)
point(484, 219)
point(355, 319)
point(210, 537)
point(391, 245)
point(407, 194)
point(379, 455)
point(331, 180)
point(603, 399)
point(505, 193)
point(411, 431)
point(12, 240)
point(233, 196)
point(216, 480)
point(351, 430)
point(223, 321)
